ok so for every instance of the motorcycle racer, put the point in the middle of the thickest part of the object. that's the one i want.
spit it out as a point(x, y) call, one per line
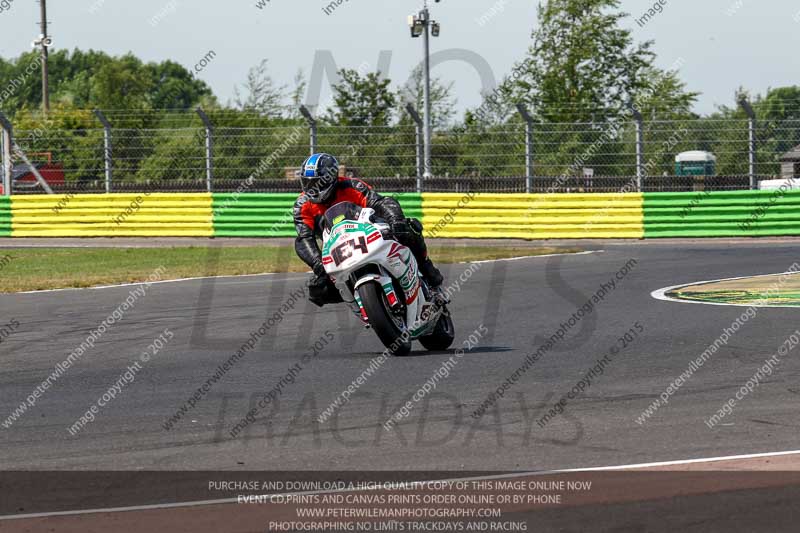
point(322, 188)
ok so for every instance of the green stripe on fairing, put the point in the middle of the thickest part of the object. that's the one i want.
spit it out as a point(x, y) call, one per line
point(721, 214)
point(326, 250)
point(5, 216)
point(403, 276)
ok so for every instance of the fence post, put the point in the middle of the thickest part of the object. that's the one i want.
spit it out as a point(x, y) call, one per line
point(107, 156)
point(312, 128)
point(420, 149)
point(528, 146)
point(35, 171)
point(8, 146)
point(637, 117)
point(5, 125)
point(751, 120)
point(209, 148)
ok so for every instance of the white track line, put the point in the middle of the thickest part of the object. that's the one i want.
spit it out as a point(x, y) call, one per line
point(530, 257)
point(179, 280)
point(680, 462)
point(660, 294)
point(415, 483)
point(136, 283)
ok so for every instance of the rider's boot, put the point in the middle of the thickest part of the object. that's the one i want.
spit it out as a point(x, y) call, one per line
point(431, 274)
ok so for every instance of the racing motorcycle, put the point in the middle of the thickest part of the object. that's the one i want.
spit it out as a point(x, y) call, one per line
point(380, 280)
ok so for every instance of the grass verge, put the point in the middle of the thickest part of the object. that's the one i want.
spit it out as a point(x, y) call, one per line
point(28, 269)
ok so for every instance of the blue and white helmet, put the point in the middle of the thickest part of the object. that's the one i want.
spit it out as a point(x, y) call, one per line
point(318, 177)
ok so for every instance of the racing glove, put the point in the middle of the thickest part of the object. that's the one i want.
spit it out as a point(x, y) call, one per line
point(321, 290)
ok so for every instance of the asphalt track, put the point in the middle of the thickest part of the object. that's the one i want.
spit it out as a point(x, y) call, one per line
point(521, 303)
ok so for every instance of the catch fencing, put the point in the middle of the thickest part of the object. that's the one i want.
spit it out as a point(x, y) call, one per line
point(216, 151)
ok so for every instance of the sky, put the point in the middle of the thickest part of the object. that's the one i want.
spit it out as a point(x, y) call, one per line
point(721, 44)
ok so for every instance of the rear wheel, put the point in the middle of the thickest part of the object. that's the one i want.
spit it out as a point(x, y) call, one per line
point(388, 327)
point(442, 335)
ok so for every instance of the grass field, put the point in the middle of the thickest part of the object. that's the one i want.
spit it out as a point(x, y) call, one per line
point(27, 269)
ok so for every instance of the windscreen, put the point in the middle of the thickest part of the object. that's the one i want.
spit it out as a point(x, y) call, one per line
point(341, 211)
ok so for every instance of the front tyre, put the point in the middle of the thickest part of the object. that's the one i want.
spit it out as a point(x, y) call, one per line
point(442, 335)
point(382, 321)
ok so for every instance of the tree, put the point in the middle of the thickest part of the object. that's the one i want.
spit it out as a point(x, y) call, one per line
point(261, 93)
point(781, 104)
point(583, 66)
point(362, 100)
point(71, 76)
point(121, 84)
point(777, 124)
point(664, 95)
point(173, 87)
point(578, 78)
point(442, 101)
point(70, 135)
point(777, 130)
point(87, 79)
point(20, 83)
point(299, 86)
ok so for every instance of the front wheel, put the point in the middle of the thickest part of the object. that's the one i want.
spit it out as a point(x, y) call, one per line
point(386, 326)
point(442, 335)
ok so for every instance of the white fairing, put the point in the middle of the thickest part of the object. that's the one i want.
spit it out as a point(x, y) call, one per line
point(394, 260)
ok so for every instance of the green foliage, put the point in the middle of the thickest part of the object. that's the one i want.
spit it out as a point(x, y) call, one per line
point(663, 95)
point(582, 64)
point(174, 156)
point(121, 85)
point(578, 78)
point(174, 87)
point(362, 100)
point(442, 100)
point(68, 135)
point(778, 124)
point(95, 79)
point(777, 130)
point(261, 94)
point(20, 83)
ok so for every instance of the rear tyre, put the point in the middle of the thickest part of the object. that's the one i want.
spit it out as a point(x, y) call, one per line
point(381, 319)
point(442, 335)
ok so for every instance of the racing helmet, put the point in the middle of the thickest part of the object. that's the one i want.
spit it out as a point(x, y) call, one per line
point(318, 177)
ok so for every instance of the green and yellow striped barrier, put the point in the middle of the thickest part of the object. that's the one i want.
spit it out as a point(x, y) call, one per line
point(270, 214)
point(5, 216)
point(112, 215)
point(722, 214)
point(454, 215)
point(533, 216)
point(253, 214)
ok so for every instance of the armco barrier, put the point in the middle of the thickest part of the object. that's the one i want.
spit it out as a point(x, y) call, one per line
point(533, 216)
point(270, 215)
point(722, 214)
point(112, 215)
point(5, 216)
